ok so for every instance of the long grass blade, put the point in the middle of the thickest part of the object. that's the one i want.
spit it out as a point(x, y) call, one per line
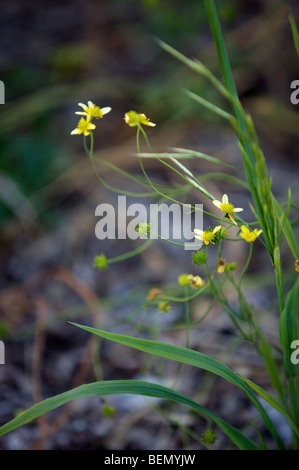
point(288, 328)
point(120, 387)
point(271, 400)
point(295, 32)
point(190, 357)
point(286, 227)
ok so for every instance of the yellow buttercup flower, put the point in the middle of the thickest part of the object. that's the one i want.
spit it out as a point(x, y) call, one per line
point(134, 119)
point(248, 235)
point(92, 111)
point(208, 236)
point(227, 207)
point(84, 127)
point(297, 265)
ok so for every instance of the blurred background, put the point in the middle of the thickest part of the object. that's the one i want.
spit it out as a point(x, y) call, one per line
point(54, 55)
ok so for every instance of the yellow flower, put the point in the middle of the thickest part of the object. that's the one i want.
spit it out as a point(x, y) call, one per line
point(134, 119)
point(195, 281)
point(248, 235)
point(297, 265)
point(208, 236)
point(227, 207)
point(84, 127)
point(92, 111)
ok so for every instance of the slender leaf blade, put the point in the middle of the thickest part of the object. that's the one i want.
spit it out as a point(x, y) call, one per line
point(190, 357)
point(295, 32)
point(117, 387)
point(271, 400)
point(286, 228)
point(288, 328)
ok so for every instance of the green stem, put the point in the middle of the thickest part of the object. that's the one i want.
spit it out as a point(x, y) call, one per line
point(294, 407)
point(246, 265)
point(132, 253)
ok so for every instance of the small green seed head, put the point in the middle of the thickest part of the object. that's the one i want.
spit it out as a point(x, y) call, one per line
point(209, 437)
point(108, 411)
point(230, 267)
point(100, 262)
point(183, 280)
point(199, 257)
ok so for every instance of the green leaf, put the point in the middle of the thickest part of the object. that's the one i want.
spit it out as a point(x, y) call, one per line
point(120, 387)
point(190, 357)
point(271, 400)
point(194, 153)
point(224, 177)
point(288, 328)
point(183, 154)
point(295, 32)
point(212, 107)
point(286, 228)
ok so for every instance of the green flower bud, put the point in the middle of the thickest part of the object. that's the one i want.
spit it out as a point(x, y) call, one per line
point(230, 267)
point(143, 228)
point(100, 262)
point(209, 437)
point(199, 257)
point(183, 280)
point(108, 411)
point(164, 307)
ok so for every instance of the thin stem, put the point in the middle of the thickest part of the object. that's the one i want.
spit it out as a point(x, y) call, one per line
point(246, 265)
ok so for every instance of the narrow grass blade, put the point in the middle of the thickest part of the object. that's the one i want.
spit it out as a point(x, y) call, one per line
point(183, 154)
point(121, 387)
point(286, 228)
point(271, 400)
point(227, 71)
point(204, 156)
point(288, 328)
point(212, 107)
point(190, 357)
point(295, 32)
point(224, 177)
point(197, 66)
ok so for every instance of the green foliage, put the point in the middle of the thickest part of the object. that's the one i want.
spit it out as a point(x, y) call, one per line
point(268, 213)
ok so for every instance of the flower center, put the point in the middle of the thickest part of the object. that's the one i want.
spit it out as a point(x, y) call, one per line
point(132, 118)
point(83, 125)
point(208, 237)
point(227, 208)
point(95, 111)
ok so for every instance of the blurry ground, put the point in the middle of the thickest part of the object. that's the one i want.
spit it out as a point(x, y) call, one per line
point(52, 57)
